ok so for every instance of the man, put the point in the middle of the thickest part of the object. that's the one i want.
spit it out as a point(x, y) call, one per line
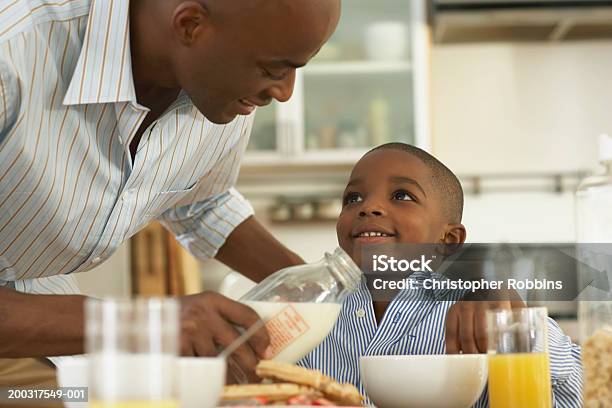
point(116, 112)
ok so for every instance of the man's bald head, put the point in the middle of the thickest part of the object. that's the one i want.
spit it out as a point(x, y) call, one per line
point(258, 8)
point(290, 26)
point(233, 55)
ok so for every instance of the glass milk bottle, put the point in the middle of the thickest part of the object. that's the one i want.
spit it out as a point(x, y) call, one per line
point(300, 304)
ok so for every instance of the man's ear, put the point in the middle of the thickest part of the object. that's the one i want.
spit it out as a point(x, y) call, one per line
point(190, 19)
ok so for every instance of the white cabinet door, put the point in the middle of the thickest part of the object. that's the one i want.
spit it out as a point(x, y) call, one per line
point(367, 86)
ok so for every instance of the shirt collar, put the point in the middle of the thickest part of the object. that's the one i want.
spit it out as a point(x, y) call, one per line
point(103, 73)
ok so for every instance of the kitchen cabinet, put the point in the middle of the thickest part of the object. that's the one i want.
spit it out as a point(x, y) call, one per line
point(368, 85)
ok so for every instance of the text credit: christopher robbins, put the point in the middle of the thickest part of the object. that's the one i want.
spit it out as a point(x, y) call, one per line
point(390, 264)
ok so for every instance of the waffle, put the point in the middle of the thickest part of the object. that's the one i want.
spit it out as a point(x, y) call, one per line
point(342, 394)
point(272, 392)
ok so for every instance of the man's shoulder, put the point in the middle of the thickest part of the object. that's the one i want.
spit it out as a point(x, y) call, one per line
point(21, 16)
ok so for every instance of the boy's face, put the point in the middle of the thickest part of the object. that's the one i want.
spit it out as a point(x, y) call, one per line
point(389, 192)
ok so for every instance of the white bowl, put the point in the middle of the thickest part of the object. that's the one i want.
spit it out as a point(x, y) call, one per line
point(199, 380)
point(424, 381)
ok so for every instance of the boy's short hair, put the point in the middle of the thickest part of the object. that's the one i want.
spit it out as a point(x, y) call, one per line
point(444, 180)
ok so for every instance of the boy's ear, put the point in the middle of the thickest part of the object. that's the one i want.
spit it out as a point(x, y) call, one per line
point(454, 234)
point(452, 240)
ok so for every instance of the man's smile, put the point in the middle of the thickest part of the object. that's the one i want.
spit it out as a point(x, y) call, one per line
point(246, 107)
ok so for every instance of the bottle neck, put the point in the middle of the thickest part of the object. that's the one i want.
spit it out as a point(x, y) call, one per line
point(344, 269)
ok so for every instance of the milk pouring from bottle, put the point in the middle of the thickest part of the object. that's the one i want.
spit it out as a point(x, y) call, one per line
point(300, 304)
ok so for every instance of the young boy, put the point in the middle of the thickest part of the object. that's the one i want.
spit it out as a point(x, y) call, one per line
point(404, 195)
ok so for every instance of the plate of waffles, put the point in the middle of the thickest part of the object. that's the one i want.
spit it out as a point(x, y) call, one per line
point(291, 386)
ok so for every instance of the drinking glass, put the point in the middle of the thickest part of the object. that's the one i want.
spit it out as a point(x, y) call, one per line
point(519, 373)
point(132, 347)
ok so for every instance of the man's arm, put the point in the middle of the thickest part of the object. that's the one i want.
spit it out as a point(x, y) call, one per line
point(40, 325)
point(52, 325)
point(251, 250)
point(223, 227)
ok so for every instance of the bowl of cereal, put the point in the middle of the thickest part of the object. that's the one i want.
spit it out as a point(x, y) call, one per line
point(424, 381)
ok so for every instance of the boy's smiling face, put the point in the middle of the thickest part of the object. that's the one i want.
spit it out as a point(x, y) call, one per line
point(390, 198)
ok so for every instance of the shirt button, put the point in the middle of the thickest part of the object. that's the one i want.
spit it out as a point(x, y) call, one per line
point(360, 313)
point(96, 259)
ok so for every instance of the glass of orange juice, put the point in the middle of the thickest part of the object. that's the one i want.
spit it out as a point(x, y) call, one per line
point(132, 346)
point(519, 374)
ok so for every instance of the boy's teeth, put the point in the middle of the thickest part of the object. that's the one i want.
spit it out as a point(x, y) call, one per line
point(373, 234)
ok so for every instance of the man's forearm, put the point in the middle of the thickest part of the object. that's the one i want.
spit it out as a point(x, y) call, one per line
point(251, 250)
point(40, 325)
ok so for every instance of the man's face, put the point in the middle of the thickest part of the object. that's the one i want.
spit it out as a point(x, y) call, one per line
point(240, 63)
point(390, 193)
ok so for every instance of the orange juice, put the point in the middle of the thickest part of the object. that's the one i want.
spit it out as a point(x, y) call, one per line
point(520, 380)
point(133, 404)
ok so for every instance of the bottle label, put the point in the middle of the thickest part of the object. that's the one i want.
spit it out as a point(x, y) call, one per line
point(285, 327)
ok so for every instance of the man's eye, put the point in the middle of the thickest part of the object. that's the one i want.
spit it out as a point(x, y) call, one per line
point(352, 198)
point(402, 196)
point(275, 76)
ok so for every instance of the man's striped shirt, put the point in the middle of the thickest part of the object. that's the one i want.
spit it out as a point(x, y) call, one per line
point(70, 193)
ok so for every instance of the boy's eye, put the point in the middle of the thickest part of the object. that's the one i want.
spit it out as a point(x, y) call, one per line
point(402, 195)
point(352, 198)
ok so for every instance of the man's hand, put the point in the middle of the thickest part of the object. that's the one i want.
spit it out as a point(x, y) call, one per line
point(208, 324)
point(466, 325)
